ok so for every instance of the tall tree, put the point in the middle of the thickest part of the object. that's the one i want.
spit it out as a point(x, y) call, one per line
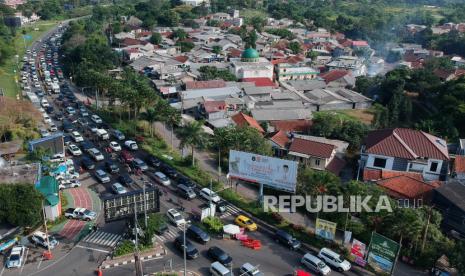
point(150, 115)
point(192, 135)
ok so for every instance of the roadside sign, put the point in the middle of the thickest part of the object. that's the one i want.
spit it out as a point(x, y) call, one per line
point(382, 253)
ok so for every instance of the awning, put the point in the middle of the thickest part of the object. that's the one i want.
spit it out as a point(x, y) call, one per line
point(231, 229)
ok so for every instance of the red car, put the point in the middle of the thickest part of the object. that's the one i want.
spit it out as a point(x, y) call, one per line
point(126, 156)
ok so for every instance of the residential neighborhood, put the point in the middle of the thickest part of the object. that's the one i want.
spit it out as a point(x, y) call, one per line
point(209, 138)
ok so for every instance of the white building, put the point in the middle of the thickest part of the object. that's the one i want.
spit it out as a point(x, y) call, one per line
point(195, 3)
point(251, 65)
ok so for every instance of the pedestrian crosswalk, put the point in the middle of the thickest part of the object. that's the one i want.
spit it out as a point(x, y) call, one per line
point(171, 234)
point(103, 238)
point(230, 211)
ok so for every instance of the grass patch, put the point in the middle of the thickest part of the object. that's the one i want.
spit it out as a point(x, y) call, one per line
point(7, 74)
point(361, 115)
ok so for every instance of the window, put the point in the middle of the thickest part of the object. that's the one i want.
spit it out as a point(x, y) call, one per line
point(379, 162)
point(317, 162)
point(433, 167)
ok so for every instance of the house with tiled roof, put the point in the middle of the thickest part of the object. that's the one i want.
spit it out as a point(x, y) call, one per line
point(406, 150)
point(242, 119)
point(408, 191)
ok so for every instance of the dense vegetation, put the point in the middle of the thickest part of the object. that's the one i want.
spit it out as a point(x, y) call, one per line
point(27, 211)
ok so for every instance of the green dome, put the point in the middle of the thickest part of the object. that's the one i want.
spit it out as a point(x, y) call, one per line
point(250, 53)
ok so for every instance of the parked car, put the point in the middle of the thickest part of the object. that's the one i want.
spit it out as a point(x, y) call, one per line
point(153, 161)
point(15, 260)
point(334, 259)
point(102, 176)
point(40, 238)
point(118, 135)
point(248, 269)
point(77, 137)
point(208, 195)
point(53, 127)
point(191, 251)
point(315, 264)
point(65, 184)
point(138, 164)
point(197, 234)
point(175, 217)
point(80, 213)
point(161, 178)
point(125, 179)
point(217, 269)
point(74, 150)
point(169, 171)
point(185, 192)
point(115, 146)
point(126, 156)
point(186, 182)
point(96, 154)
point(44, 133)
point(287, 239)
point(111, 167)
point(96, 119)
point(118, 188)
point(217, 254)
point(70, 110)
point(87, 164)
point(130, 144)
point(246, 222)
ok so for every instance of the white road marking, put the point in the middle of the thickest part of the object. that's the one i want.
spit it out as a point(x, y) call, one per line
point(41, 259)
point(3, 269)
point(94, 249)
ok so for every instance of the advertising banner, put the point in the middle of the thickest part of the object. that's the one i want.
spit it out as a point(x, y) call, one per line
point(382, 253)
point(272, 172)
point(325, 229)
point(358, 249)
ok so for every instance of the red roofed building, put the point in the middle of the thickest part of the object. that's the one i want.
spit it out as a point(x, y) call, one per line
point(459, 167)
point(132, 42)
point(191, 85)
point(261, 82)
point(242, 119)
point(359, 44)
point(409, 192)
point(406, 150)
point(214, 109)
point(316, 155)
point(279, 142)
point(182, 59)
point(297, 126)
point(338, 76)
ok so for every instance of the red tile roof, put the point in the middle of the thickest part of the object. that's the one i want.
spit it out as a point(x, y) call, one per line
point(359, 43)
point(205, 84)
point(459, 164)
point(261, 82)
point(293, 125)
point(311, 148)
point(132, 41)
point(280, 138)
point(182, 59)
point(336, 165)
point(376, 174)
point(406, 143)
point(242, 119)
point(404, 186)
point(235, 53)
point(334, 75)
point(214, 106)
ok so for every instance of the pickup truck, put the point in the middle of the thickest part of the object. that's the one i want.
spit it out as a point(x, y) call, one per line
point(80, 213)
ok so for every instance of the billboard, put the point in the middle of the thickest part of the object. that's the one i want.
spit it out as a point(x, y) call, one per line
point(54, 143)
point(325, 229)
point(382, 253)
point(117, 207)
point(272, 172)
point(358, 249)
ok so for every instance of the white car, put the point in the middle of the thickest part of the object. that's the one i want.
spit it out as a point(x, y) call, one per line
point(74, 150)
point(44, 103)
point(44, 133)
point(15, 260)
point(102, 176)
point(77, 137)
point(64, 184)
point(115, 146)
point(37, 85)
point(40, 238)
point(209, 195)
point(96, 119)
point(175, 217)
point(132, 145)
point(118, 188)
point(53, 127)
point(70, 110)
point(333, 259)
point(96, 154)
point(161, 178)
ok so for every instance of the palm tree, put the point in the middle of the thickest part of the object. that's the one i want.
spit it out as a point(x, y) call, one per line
point(405, 223)
point(192, 135)
point(150, 115)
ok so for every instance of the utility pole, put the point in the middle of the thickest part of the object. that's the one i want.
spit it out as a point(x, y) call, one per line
point(49, 253)
point(210, 198)
point(137, 262)
point(219, 164)
point(145, 203)
point(184, 248)
point(430, 210)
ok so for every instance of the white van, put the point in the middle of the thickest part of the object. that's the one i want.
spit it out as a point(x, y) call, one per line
point(209, 195)
point(102, 134)
point(218, 269)
point(333, 259)
point(315, 264)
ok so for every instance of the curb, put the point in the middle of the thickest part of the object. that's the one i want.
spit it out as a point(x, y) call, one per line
point(145, 258)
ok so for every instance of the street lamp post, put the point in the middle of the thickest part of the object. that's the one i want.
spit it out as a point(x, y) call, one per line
point(184, 247)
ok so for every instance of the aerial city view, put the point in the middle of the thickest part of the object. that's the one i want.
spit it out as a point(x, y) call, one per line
point(214, 137)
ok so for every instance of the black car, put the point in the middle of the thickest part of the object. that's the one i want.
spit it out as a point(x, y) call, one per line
point(111, 167)
point(169, 171)
point(191, 251)
point(161, 228)
point(60, 98)
point(125, 179)
point(197, 234)
point(68, 126)
point(59, 116)
point(50, 109)
point(186, 182)
point(87, 164)
point(87, 145)
point(286, 239)
point(153, 161)
point(217, 254)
